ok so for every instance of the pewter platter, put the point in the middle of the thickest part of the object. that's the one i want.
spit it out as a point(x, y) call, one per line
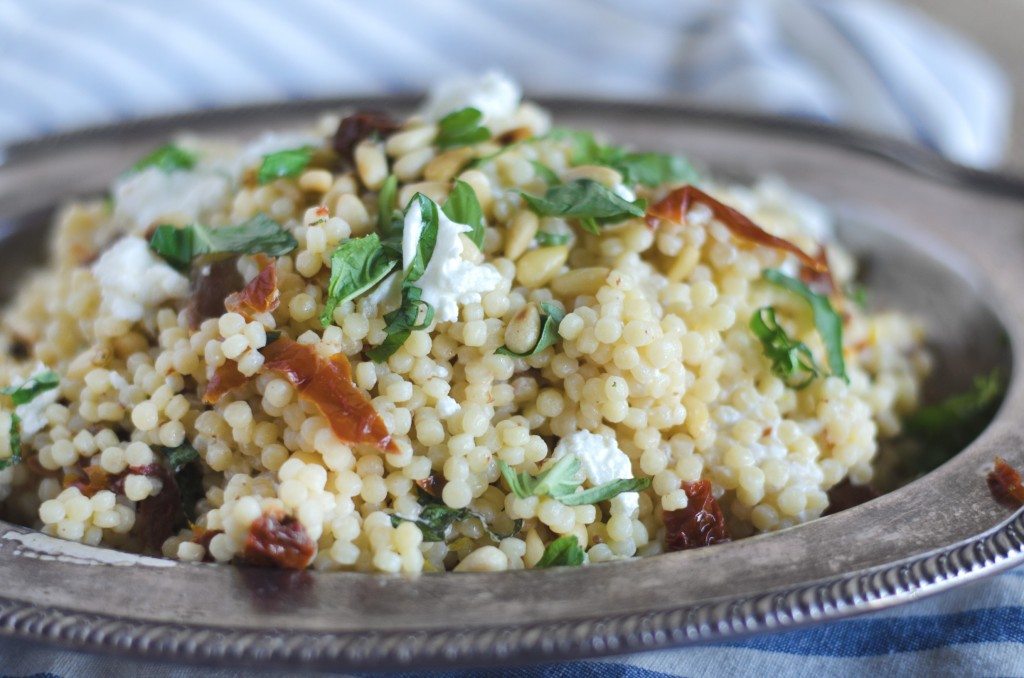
point(936, 240)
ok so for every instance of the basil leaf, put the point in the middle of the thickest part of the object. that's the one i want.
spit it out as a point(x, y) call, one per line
point(958, 412)
point(188, 475)
point(586, 200)
point(461, 128)
point(545, 239)
point(287, 163)
point(179, 246)
point(584, 149)
point(386, 202)
point(557, 479)
point(562, 552)
point(653, 169)
point(356, 266)
point(463, 207)
point(428, 238)
point(14, 437)
point(858, 294)
point(548, 333)
point(546, 174)
point(33, 386)
point(791, 360)
point(166, 159)
point(605, 491)
point(401, 322)
point(434, 520)
point(826, 320)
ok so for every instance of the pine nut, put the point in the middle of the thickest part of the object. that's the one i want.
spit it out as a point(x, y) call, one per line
point(352, 210)
point(445, 166)
point(481, 186)
point(371, 163)
point(407, 141)
point(537, 267)
point(520, 233)
point(599, 173)
point(523, 330)
point(435, 190)
point(410, 166)
point(684, 264)
point(580, 281)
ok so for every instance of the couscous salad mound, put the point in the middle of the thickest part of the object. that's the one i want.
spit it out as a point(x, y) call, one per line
point(464, 341)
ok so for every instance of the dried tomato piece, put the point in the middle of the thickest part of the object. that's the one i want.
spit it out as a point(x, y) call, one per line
point(328, 385)
point(89, 480)
point(675, 205)
point(225, 378)
point(260, 295)
point(279, 541)
point(203, 537)
point(846, 495)
point(1005, 484)
point(433, 484)
point(157, 517)
point(211, 283)
point(699, 524)
point(358, 126)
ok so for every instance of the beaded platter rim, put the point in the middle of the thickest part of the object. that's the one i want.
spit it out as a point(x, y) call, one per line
point(727, 618)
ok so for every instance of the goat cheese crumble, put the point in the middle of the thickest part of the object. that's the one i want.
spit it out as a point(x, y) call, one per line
point(31, 414)
point(495, 95)
point(601, 461)
point(146, 197)
point(448, 279)
point(132, 279)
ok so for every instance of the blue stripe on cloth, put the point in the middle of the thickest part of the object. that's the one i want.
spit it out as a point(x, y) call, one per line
point(595, 669)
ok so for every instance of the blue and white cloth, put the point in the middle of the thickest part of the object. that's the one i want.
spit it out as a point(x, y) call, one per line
point(864, 63)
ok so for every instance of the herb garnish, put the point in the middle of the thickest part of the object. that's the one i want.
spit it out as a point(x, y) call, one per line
point(20, 395)
point(357, 265)
point(649, 169)
point(167, 159)
point(548, 334)
point(386, 212)
point(586, 200)
point(826, 320)
point(546, 174)
point(187, 474)
point(436, 518)
point(791, 360)
point(562, 552)
point(546, 239)
point(261, 234)
point(428, 238)
point(560, 480)
point(461, 128)
point(286, 163)
point(463, 207)
point(401, 322)
point(958, 416)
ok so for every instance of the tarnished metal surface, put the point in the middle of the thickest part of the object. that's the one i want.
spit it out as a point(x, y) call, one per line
point(938, 240)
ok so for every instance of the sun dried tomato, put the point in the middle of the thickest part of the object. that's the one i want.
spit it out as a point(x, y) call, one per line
point(89, 480)
point(203, 537)
point(433, 484)
point(846, 495)
point(675, 205)
point(159, 516)
point(211, 283)
point(225, 378)
point(260, 295)
point(1005, 484)
point(279, 541)
point(358, 126)
point(328, 385)
point(699, 524)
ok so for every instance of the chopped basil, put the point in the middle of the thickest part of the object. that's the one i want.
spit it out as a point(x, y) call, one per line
point(428, 238)
point(605, 491)
point(546, 174)
point(826, 320)
point(960, 412)
point(463, 207)
point(586, 200)
point(461, 128)
point(24, 393)
point(858, 294)
point(546, 239)
point(356, 266)
point(548, 333)
point(436, 518)
point(33, 386)
point(562, 552)
point(167, 159)
point(791, 360)
point(649, 169)
point(560, 481)
point(558, 478)
point(287, 163)
point(188, 475)
point(261, 234)
point(273, 335)
point(386, 201)
point(401, 322)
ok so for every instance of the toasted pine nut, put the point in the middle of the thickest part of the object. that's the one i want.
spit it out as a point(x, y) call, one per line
point(470, 252)
point(410, 166)
point(351, 209)
point(481, 186)
point(446, 165)
point(409, 140)
point(484, 559)
point(537, 267)
point(684, 264)
point(580, 281)
point(435, 190)
point(520, 233)
point(523, 330)
point(371, 163)
point(599, 173)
